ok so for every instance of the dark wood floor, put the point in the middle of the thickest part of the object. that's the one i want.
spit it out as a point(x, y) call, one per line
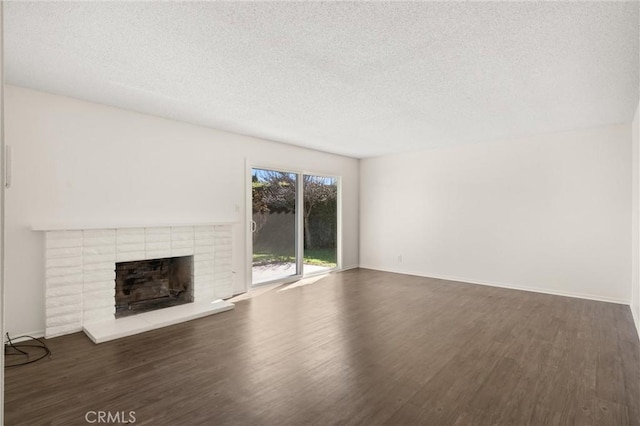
point(358, 347)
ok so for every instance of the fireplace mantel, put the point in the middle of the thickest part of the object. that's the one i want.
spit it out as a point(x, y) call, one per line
point(81, 227)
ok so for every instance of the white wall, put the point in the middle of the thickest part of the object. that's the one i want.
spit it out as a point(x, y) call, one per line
point(635, 227)
point(2, 249)
point(550, 213)
point(81, 163)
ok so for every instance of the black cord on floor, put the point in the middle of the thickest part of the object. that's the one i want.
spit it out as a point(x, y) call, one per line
point(18, 347)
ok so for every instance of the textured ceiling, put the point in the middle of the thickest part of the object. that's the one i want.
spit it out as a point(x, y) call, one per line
point(359, 79)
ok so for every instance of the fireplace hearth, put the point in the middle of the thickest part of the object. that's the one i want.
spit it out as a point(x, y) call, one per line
point(147, 285)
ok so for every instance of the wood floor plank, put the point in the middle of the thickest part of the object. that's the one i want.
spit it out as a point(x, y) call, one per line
point(357, 347)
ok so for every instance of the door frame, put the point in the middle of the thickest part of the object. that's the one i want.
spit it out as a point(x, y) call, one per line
point(249, 166)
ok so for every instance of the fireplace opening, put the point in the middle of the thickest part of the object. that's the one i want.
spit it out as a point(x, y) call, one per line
point(147, 285)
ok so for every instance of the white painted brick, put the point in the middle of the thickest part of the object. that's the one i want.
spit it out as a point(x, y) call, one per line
point(158, 231)
point(130, 256)
point(203, 266)
point(208, 249)
point(106, 292)
point(223, 289)
point(204, 240)
point(223, 254)
point(63, 290)
point(64, 280)
point(61, 262)
point(203, 228)
point(158, 245)
point(226, 270)
point(63, 252)
point(100, 241)
point(158, 254)
point(84, 261)
point(130, 247)
point(98, 299)
point(181, 244)
point(63, 243)
point(100, 314)
point(57, 272)
point(219, 268)
point(63, 310)
point(221, 230)
point(162, 239)
point(99, 266)
point(221, 264)
point(203, 280)
point(223, 292)
point(105, 250)
point(204, 235)
point(203, 295)
point(107, 285)
point(125, 232)
point(204, 290)
point(99, 233)
point(222, 273)
point(181, 232)
point(222, 278)
point(55, 320)
point(181, 252)
point(108, 275)
point(204, 287)
point(205, 276)
point(63, 235)
point(130, 239)
point(72, 299)
point(202, 274)
point(223, 234)
point(203, 257)
point(61, 330)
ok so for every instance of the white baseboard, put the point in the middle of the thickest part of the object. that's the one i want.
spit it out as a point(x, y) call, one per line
point(346, 268)
point(636, 320)
point(504, 285)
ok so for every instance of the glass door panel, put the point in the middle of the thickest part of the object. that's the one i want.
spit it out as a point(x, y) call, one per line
point(274, 226)
point(320, 217)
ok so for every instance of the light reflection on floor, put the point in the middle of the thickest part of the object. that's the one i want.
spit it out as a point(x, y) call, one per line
point(265, 273)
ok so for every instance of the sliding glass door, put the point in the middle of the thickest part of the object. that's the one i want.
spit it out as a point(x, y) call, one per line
point(274, 225)
point(320, 216)
point(294, 224)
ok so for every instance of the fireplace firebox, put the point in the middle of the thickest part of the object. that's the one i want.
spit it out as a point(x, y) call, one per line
point(146, 285)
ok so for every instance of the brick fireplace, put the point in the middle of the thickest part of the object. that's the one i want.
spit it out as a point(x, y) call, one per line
point(81, 269)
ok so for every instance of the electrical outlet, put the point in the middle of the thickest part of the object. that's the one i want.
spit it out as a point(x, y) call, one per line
point(400, 259)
